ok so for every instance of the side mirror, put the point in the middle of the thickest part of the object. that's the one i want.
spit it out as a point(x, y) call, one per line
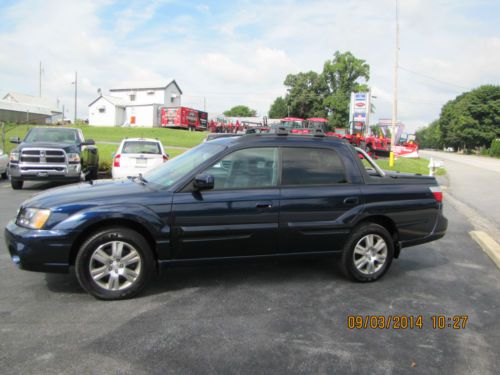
point(204, 182)
point(88, 142)
point(15, 140)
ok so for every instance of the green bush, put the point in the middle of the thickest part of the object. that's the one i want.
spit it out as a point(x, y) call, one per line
point(484, 151)
point(495, 148)
point(104, 166)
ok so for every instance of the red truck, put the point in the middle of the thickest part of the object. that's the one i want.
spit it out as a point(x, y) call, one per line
point(183, 117)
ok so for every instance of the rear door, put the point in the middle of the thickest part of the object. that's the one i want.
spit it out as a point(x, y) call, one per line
point(239, 216)
point(318, 200)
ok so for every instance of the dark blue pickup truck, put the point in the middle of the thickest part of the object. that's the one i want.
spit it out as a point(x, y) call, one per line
point(238, 197)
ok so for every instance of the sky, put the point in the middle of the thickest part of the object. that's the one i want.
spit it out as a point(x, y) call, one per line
point(226, 53)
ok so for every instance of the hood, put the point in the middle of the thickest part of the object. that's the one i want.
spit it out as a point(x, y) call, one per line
point(65, 147)
point(89, 194)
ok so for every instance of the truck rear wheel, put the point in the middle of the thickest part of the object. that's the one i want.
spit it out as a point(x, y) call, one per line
point(115, 263)
point(368, 254)
point(16, 184)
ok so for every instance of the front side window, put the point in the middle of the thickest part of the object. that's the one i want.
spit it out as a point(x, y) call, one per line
point(175, 169)
point(251, 168)
point(312, 166)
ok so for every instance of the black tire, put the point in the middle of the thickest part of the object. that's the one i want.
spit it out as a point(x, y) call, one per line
point(84, 262)
point(358, 236)
point(16, 184)
point(368, 149)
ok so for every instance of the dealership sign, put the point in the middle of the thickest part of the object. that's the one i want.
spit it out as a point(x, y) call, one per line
point(358, 110)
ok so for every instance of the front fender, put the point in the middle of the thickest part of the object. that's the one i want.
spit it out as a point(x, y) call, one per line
point(136, 213)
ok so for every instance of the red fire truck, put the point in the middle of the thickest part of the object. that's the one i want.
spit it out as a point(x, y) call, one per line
point(183, 118)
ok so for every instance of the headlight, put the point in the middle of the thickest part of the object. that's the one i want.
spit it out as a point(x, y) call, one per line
point(73, 157)
point(14, 156)
point(34, 218)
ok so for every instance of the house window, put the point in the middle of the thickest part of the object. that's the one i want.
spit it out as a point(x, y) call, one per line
point(151, 92)
point(132, 97)
point(102, 109)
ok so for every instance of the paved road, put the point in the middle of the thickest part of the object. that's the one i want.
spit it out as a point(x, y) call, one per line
point(474, 180)
point(273, 316)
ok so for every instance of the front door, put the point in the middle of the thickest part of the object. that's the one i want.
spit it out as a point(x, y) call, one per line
point(239, 216)
point(318, 202)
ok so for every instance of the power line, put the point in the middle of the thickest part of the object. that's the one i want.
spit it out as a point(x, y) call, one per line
point(433, 79)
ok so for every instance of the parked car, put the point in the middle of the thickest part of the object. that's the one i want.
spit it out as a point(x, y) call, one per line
point(4, 161)
point(137, 155)
point(53, 154)
point(236, 197)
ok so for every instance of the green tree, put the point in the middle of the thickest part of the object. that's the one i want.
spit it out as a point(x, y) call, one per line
point(305, 95)
point(341, 76)
point(278, 108)
point(430, 136)
point(240, 111)
point(472, 119)
point(328, 93)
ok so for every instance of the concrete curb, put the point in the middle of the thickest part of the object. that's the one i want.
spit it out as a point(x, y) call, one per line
point(488, 244)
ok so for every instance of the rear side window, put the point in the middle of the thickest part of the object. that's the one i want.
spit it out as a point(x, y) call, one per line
point(312, 166)
point(139, 147)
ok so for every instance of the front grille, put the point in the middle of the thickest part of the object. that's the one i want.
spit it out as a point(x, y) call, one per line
point(43, 156)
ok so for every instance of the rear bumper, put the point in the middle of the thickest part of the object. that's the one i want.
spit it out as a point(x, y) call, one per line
point(438, 232)
point(39, 250)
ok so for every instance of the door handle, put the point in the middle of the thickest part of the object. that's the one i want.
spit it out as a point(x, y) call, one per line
point(263, 205)
point(351, 200)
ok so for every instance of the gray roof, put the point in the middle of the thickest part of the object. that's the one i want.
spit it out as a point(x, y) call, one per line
point(8, 105)
point(31, 100)
point(119, 102)
point(145, 85)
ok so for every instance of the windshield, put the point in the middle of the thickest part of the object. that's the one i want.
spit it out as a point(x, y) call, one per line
point(68, 136)
point(170, 172)
point(141, 147)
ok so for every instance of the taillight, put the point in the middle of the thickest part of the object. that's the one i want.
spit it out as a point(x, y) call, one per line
point(116, 161)
point(165, 158)
point(438, 194)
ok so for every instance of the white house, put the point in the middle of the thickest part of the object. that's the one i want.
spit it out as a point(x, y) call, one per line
point(134, 104)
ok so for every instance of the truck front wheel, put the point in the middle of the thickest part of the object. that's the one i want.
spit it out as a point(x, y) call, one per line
point(114, 263)
point(368, 254)
point(16, 184)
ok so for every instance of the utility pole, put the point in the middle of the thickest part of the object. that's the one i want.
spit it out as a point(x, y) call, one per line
point(76, 92)
point(40, 80)
point(63, 114)
point(395, 92)
point(204, 104)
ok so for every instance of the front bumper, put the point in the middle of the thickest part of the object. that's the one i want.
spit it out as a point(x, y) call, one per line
point(40, 171)
point(39, 250)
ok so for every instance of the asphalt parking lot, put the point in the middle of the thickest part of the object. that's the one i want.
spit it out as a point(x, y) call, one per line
point(264, 317)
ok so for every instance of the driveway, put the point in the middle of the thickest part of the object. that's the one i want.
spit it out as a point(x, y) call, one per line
point(283, 316)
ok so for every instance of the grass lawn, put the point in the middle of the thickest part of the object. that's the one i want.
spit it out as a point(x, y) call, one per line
point(169, 137)
point(405, 165)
